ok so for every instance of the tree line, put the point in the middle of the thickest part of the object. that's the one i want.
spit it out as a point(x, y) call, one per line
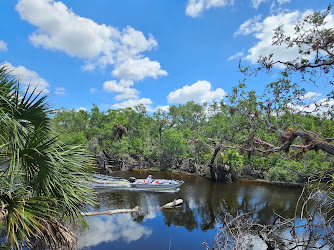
point(168, 139)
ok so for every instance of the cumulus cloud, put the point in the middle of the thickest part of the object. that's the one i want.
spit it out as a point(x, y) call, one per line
point(201, 91)
point(99, 45)
point(59, 28)
point(60, 91)
point(195, 8)
point(133, 102)
point(237, 55)
point(3, 46)
point(123, 88)
point(28, 78)
point(310, 96)
point(263, 31)
point(93, 90)
point(138, 69)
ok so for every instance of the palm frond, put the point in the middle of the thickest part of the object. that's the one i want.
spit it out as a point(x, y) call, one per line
point(37, 173)
point(22, 213)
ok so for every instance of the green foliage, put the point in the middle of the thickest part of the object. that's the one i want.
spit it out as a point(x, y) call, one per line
point(262, 163)
point(284, 171)
point(232, 158)
point(75, 138)
point(293, 170)
point(173, 147)
point(171, 137)
point(41, 180)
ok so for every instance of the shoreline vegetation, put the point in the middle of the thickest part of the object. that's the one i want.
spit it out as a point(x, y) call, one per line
point(130, 139)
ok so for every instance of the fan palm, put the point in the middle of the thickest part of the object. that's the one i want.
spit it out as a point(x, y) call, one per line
point(40, 179)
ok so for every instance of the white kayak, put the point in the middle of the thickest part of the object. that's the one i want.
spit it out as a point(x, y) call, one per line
point(156, 184)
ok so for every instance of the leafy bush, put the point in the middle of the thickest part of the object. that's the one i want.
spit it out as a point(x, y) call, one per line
point(173, 146)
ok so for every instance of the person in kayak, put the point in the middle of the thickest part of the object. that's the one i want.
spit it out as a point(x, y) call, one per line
point(148, 180)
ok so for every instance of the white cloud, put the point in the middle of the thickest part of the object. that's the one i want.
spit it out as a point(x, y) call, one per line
point(310, 96)
point(283, 1)
point(272, 7)
point(60, 91)
point(195, 8)
point(163, 108)
point(201, 91)
point(263, 31)
point(138, 69)
point(81, 108)
point(93, 90)
point(133, 102)
point(28, 78)
point(319, 107)
point(250, 26)
point(3, 46)
point(256, 3)
point(59, 28)
point(237, 55)
point(122, 87)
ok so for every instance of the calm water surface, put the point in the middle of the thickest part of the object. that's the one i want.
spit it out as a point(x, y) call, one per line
point(186, 227)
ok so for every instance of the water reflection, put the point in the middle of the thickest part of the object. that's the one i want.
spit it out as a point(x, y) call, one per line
point(106, 228)
point(205, 203)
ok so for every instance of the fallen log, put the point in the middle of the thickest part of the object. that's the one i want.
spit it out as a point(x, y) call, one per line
point(172, 204)
point(111, 212)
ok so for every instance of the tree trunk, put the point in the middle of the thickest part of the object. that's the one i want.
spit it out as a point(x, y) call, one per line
point(212, 172)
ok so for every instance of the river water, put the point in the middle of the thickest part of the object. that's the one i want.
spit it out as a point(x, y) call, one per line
point(186, 227)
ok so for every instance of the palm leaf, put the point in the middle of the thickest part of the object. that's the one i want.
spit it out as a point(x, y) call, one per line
point(37, 173)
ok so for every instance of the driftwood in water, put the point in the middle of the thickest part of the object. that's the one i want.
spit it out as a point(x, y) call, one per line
point(172, 204)
point(111, 212)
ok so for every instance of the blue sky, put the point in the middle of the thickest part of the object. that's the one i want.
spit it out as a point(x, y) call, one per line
point(119, 53)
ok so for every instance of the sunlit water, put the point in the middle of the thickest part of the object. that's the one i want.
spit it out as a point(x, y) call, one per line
point(186, 227)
